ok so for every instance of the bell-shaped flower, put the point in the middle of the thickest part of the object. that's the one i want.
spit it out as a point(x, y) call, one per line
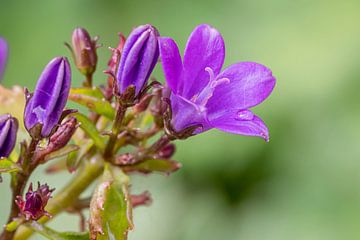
point(8, 130)
point(202, 94)
point(138, 58)
point(46, 105)
point(3, 56)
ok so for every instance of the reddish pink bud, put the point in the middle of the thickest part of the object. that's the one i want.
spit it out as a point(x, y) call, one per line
point(167, 151)
point(35, 201)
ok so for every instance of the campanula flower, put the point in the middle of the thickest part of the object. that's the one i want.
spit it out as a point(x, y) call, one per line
point(50, 96)
point(8, 130)
point(3, 56)
point(138, 58)
point(33, 207)
point(84, 51)
point(202, 94)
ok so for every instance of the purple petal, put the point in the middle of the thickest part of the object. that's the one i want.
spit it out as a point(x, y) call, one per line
point(3, 56)
point(242, 122)
point(171, 63)
point(250, 84)
point(205, 48)
point(138, 58)
point(8, 131)
point(50, 96)
point(187, 114)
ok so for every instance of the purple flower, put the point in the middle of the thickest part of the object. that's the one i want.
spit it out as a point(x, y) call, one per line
point(203, 94)
point(3, 56)
point(138, 58)
point(46, 105)
point(8, 130)
point(33, 207)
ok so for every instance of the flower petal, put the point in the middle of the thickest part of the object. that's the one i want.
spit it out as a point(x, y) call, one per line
point(250, 84)
point(205, 48)
point(186, 114)
point(171, 63)
point(3, 56)
point(242, 122)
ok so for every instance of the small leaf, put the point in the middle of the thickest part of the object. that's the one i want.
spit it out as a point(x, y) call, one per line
point(74, 158)
point(7, 166)
point(154, 165)
point(13, 225)
point(54, 235)
point(89, 128)
point(92, 99)
point(62, 152)
point(110, 207)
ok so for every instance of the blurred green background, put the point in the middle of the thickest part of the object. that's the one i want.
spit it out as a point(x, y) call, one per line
point(303, 184)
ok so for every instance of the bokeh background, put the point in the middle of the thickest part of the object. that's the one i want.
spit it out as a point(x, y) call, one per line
point(302, 185)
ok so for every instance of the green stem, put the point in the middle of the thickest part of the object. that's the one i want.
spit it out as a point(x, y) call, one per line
point(69, 194)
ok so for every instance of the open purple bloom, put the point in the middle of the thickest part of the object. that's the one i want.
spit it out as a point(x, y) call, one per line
point(50, 96)
point(138, 58)
point(203, 94)
point(3, 56)
point(8, 130)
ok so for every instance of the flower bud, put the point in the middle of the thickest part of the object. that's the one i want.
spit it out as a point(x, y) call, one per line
point(3, 56)
point(33, 207)
point(138, 59)
point(45, 107)
point(84, 51)
point(167, 151)
point(63, 134)
point(8, 130)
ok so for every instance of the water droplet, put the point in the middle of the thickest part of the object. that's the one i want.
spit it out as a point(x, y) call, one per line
point(244, 115)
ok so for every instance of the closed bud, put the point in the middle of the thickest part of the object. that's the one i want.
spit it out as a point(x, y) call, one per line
point(33, 207)
point(167, 151)
point(84, 51)
point(8, 130)
point(63, 134)
point(3, 56)
point(46, 105)
point(138, 59)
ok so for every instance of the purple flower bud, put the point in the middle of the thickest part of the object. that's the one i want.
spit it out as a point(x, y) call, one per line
point(35, 201)
point(46, 105)
point(3, 56)
point(85, 51)
point(167, 151)
point(138, 58)
point(8, 130)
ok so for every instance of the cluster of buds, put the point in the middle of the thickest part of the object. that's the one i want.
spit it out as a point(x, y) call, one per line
point(129, 111)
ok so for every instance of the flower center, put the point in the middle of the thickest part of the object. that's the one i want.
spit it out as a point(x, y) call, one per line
point(203, 97)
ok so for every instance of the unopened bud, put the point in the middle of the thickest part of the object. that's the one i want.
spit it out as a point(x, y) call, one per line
point(63, 134)
point(84, 51)
point(33, 207)
point(167, 151)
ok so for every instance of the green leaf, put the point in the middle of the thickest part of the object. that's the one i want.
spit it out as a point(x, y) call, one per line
point(94, 100)
point(54, 235)
point(110, 208)
point(68, 149)
point(166, 166)
point(7, 166)
point(89, 128)
point(74, 158)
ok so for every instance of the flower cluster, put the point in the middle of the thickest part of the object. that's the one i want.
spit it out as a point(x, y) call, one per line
point(127, 110)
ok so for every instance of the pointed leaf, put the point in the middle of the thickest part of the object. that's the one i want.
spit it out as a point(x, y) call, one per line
point(7, 166)
point(110, 207)
point(74, 158)
point(166, 166)
point(90, 129)
point(92, 99)
point(62, 152)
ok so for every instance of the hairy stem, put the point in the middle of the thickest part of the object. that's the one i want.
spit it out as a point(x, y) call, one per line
point(69, 194)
